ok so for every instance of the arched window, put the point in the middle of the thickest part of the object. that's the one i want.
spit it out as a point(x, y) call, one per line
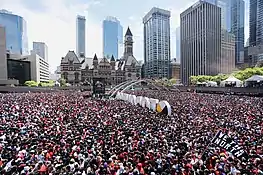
point(76, 76)
point(129, 74)
point(65, 75)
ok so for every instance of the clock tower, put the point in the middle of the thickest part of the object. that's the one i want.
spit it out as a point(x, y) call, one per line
point(128, 44)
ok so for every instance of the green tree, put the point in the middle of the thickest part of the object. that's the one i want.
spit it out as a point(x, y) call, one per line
point(31, 83)
point(172, 81)
point(62, 82)
point(193, 79)
point(248, 72)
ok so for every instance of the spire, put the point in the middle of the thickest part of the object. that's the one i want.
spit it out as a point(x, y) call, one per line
point(95, 57)
point(128, 33)
point(112, 58)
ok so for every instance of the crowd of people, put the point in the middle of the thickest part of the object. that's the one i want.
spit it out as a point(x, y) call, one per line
point(65, 133)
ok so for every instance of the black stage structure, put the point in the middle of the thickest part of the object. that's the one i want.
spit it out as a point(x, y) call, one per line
point(98, 86)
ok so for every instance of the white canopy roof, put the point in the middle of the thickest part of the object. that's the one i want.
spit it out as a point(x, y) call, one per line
point(255, 78)
point(232, 79)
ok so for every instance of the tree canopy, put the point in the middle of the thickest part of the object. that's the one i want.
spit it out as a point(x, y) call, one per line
point(241, 75)
point(31, 83)
point(62, 82)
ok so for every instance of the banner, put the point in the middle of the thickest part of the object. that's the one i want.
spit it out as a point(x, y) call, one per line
point(224, 141)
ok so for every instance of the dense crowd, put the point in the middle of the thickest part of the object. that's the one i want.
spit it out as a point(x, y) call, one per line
point(64, 133)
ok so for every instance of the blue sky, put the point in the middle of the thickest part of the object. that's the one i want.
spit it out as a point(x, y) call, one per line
point(54, 21)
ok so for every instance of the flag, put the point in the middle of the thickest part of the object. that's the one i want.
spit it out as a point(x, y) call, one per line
point(224, 141)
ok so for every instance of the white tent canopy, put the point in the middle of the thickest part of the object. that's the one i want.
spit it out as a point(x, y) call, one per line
point(255, 78)
point(232, 79)
point(212, 83)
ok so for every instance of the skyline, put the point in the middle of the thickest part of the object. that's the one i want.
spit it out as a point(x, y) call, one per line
point(54, 22)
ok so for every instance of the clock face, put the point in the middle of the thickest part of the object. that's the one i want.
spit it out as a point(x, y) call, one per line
point(129, 39)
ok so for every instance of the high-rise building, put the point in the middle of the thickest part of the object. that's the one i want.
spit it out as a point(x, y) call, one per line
point(253, 22)
point(227, 38)
point(200, 40)
point(255, 31)
point(227, 52)
point(3, 62)
point(225, 6)
point(259, 22)
point(112, 37)
point(256, 22)
point(237, 28)
point(41, 49)
point(16, 32)
point(178, 48)
point(81, 35)
point(232, 20)
point(120, 40)
point(157, 43)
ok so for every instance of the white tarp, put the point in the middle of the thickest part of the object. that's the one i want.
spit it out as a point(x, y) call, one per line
point(132, 99)
point(150, 103)
point(153, 103)
point(139, 100)
point(145, 102)
point(118, 96)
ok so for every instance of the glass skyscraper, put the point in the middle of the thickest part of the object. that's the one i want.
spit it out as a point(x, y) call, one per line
point(237, 28)
point(256, 27)
point(225, 6)
point(259, 33)
point(253, 22)
point(178, 43)
point(233, 20)
point(81, 36)
point(112, 37)
point(16, 32)
point(157, 43)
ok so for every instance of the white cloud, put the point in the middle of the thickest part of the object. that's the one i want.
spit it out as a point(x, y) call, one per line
point(57, 27)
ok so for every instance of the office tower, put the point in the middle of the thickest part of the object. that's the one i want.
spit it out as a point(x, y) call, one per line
point(200, 40)
point(120, 40)
point(247, 43)
point(225, 6)
point(233, 20)
point(259, 33)
point(41, 49)
point(157, 43)
point(227, 38)
point(237, 28)
point(112, 37)
point(16, 32)
point(253, 22)
point(227, 52)
point(3, 61)
point(178, 48)
point(255, 31)
point(81, 36)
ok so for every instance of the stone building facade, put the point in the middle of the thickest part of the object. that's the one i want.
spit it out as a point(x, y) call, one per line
point(175, 66)
point(76, 69)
